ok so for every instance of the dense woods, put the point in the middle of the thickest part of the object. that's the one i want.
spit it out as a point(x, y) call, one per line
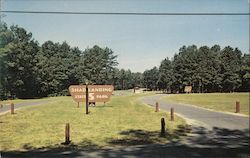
point(205, 69)
point(29, 69)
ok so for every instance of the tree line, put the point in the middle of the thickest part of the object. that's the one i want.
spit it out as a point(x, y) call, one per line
point(29, 70)
point(205, 69)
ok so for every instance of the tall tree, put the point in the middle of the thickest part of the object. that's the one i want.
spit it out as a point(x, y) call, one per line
point(245, 73)
point(150, 78)
point(58, 68)
point(208, 69)
point(230, 68)
point(122, 79)
point(21, 62)
point(184, 67)
point(6, 37)
point(99, 64)
point(166, 76)
point(137, 79)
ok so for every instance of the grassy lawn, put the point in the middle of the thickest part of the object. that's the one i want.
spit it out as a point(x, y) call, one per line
point(215, 101)
point(8, 102)
point(122, 121)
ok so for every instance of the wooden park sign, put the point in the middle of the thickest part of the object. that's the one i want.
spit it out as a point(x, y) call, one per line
point(96, 93)
point(188, 89)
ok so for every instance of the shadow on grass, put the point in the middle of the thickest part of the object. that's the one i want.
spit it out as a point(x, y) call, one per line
point(217, 142)
point(142, 137)
point(103, 106)
point(57, 150)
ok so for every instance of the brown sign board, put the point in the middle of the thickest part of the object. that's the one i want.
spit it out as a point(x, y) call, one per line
point(97, 93)
point(188, 89)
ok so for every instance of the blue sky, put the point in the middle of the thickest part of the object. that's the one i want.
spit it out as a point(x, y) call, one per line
point(140, 42)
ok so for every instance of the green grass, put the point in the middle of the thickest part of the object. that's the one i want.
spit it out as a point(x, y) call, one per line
point(122, 121)
point(8, 102)
point(215, 101)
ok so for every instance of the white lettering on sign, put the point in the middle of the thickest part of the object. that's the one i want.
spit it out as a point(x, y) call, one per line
point(101, 90)
point(97, 93)
point(91, 90)
point(80, 96)
point(91, 96)
point(78, 90)
point(101, 96)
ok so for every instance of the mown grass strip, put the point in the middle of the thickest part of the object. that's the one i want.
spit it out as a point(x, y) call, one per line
point(216, 101)
point(122, 121)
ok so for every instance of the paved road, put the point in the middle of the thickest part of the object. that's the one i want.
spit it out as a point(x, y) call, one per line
point(23, 104)
point(209, 128)
point(210, 119)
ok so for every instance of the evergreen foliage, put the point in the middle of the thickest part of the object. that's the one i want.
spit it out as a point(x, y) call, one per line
point(206, 70)
point(30, 70)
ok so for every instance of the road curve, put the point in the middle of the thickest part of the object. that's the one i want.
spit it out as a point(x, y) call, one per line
point(5, 109)
point(210, 129)
point(209, 118)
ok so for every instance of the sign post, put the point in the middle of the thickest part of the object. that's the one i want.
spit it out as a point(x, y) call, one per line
point(91, 93)
point(87, 99)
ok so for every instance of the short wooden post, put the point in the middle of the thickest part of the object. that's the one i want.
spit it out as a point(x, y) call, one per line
point(172, 114)
point(67, 134)
point(237, 107)
point(156, 107)
point(162, 127)
point(77, 104)
point(12, 108)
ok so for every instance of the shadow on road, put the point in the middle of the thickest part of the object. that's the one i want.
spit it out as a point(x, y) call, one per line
point(220, 138)
point(217, 142)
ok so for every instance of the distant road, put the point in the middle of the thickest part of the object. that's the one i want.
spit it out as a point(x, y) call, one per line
point(23, 104)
